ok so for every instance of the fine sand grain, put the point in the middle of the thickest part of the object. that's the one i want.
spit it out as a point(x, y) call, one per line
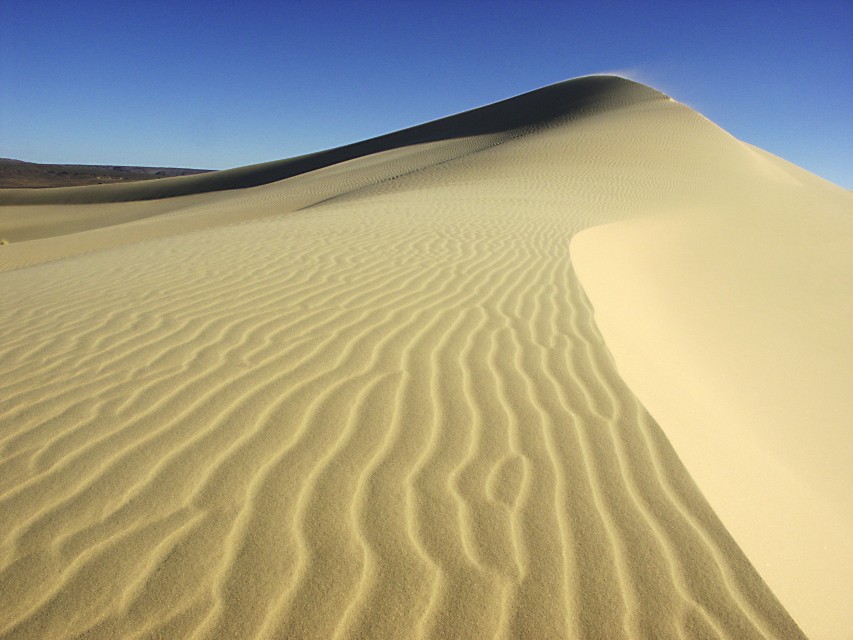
point(368, 397)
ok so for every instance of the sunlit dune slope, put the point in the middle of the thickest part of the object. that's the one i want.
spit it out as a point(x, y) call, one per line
point(364, 394)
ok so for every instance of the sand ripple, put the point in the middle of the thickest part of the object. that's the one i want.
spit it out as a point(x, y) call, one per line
point(333, 440)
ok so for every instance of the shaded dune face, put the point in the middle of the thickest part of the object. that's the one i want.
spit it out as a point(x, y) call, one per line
point(569, 99)
point(377, 407)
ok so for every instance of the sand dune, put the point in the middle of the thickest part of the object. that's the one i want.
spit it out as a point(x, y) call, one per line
point(367, 397)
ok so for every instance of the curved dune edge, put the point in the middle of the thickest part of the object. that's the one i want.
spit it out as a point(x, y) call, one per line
point(744, 359)
point(387, 413)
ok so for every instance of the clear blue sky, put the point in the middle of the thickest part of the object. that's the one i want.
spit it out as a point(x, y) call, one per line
point(219, 84)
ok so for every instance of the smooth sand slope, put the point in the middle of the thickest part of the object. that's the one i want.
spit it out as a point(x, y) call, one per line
point(368, 398)
point(745, 358)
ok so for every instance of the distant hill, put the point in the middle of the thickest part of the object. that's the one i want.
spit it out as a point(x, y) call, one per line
point(17, 173)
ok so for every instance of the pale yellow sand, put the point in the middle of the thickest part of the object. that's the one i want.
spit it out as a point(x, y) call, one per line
point(379, 406)
point(732, 323)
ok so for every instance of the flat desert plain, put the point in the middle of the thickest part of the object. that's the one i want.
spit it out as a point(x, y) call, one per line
point(578, 364)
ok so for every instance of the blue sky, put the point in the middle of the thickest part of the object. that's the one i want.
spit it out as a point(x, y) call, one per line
point(218, 84)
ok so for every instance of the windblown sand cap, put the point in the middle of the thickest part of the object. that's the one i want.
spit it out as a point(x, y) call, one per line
point(365, 393)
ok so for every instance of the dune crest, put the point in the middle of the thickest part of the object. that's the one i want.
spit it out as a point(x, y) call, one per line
point(369, 399)
point(565, 100)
